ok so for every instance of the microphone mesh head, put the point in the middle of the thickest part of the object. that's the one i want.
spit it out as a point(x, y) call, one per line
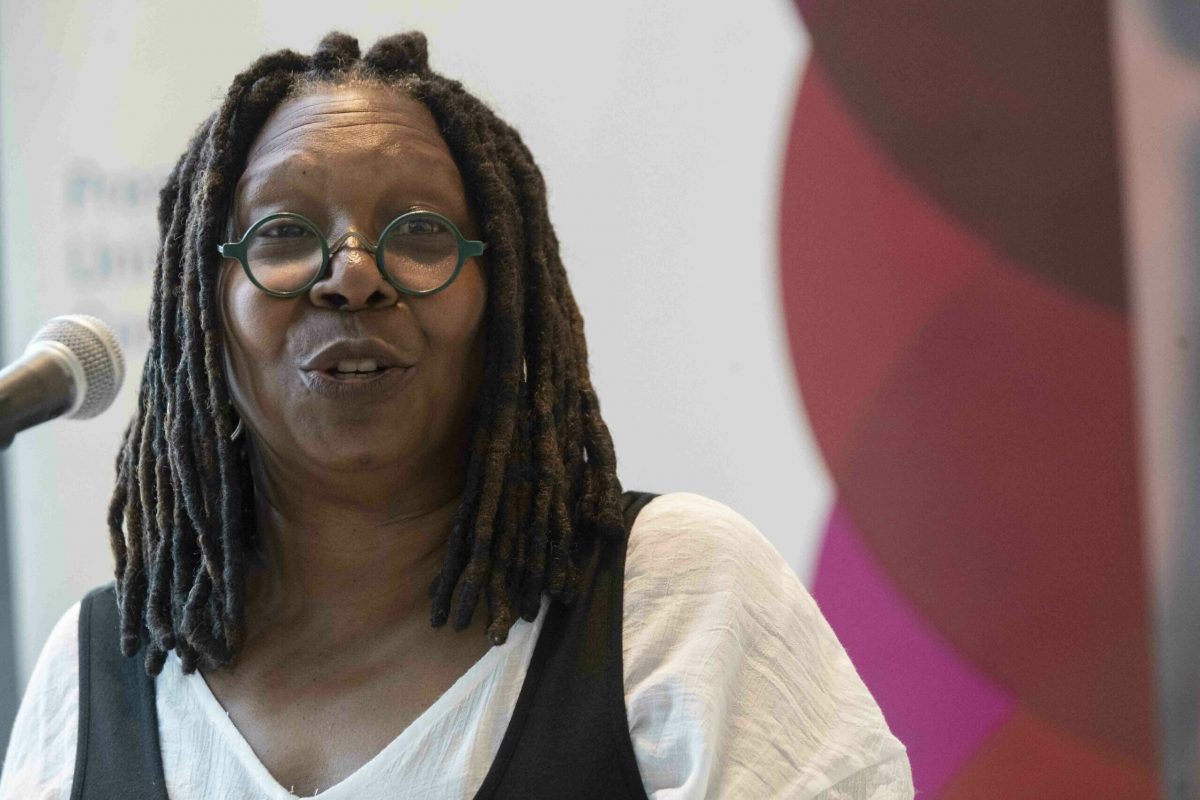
point(95, 347)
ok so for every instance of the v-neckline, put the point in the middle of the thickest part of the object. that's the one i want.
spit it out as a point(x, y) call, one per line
point(520, 635)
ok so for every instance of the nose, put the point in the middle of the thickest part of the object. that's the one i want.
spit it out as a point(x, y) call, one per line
point(353, 281)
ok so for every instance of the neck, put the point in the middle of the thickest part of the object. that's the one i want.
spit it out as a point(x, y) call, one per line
point(346, 557)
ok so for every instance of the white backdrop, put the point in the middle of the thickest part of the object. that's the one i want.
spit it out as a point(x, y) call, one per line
point(659, 127)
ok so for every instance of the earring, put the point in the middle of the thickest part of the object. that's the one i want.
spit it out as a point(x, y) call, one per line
point(237, 431)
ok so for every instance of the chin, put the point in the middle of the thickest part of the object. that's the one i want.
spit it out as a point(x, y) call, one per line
point(354, 457)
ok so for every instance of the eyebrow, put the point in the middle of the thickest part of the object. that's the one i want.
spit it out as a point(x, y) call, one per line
point(257, 182)
point(254, 183)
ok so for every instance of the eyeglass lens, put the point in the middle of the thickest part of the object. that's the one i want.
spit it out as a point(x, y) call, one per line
point(419, 253)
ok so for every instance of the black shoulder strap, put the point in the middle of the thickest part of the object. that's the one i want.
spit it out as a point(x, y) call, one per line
point(634, 503)
point(569, 733)
point(117, 752)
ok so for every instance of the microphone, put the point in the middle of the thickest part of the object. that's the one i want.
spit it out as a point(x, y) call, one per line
point(73, 367)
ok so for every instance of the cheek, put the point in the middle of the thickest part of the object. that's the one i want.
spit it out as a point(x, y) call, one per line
point(455, 333)
point(238, 318)
point(234, 316)
point(455, 320)
point(246, 325)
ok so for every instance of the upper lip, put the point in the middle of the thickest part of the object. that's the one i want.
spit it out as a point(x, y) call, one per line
point(328, 357)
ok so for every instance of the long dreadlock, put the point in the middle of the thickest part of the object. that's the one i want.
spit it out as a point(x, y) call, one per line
point(541, 479)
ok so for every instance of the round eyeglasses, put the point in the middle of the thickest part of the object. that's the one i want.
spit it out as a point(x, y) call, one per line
point(419, 253)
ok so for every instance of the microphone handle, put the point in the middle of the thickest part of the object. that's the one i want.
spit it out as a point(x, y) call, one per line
point(35, 388)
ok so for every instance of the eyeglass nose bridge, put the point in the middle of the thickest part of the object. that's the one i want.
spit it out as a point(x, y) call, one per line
point(364, 243)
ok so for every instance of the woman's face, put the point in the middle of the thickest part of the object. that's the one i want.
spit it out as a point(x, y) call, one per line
point(354, 158)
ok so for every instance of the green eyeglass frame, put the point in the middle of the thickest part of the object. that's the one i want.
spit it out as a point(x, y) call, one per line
point(467, 248)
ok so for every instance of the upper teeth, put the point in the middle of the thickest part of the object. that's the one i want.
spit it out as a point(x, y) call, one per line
point(366, 365)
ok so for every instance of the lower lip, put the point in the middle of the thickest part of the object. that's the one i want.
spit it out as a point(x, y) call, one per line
point(366, 385)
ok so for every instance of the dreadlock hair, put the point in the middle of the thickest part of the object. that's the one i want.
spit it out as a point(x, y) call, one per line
point(540, 483)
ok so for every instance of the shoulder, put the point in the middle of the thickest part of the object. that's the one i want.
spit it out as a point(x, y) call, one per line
point(688, 546)
point(682, 536)
point(54, 682)
point(735, 684)
point(40, 761)
point(697, 568)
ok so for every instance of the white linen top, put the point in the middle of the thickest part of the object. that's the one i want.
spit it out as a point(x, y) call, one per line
point(735, 687)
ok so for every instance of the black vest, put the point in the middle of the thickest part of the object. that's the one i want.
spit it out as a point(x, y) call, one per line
point(568, 736)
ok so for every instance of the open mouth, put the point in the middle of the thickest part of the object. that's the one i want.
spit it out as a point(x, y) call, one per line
point(363, 369)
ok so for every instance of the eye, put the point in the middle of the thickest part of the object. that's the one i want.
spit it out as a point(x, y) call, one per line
point(422, 226)
point(283, 229)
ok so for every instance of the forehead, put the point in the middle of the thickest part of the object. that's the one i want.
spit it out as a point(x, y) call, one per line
point(352, 132)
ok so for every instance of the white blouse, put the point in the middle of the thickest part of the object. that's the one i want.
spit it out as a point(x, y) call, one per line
point(735, 687)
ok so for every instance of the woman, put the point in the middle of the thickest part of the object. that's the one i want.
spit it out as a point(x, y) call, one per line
point(367, 401)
